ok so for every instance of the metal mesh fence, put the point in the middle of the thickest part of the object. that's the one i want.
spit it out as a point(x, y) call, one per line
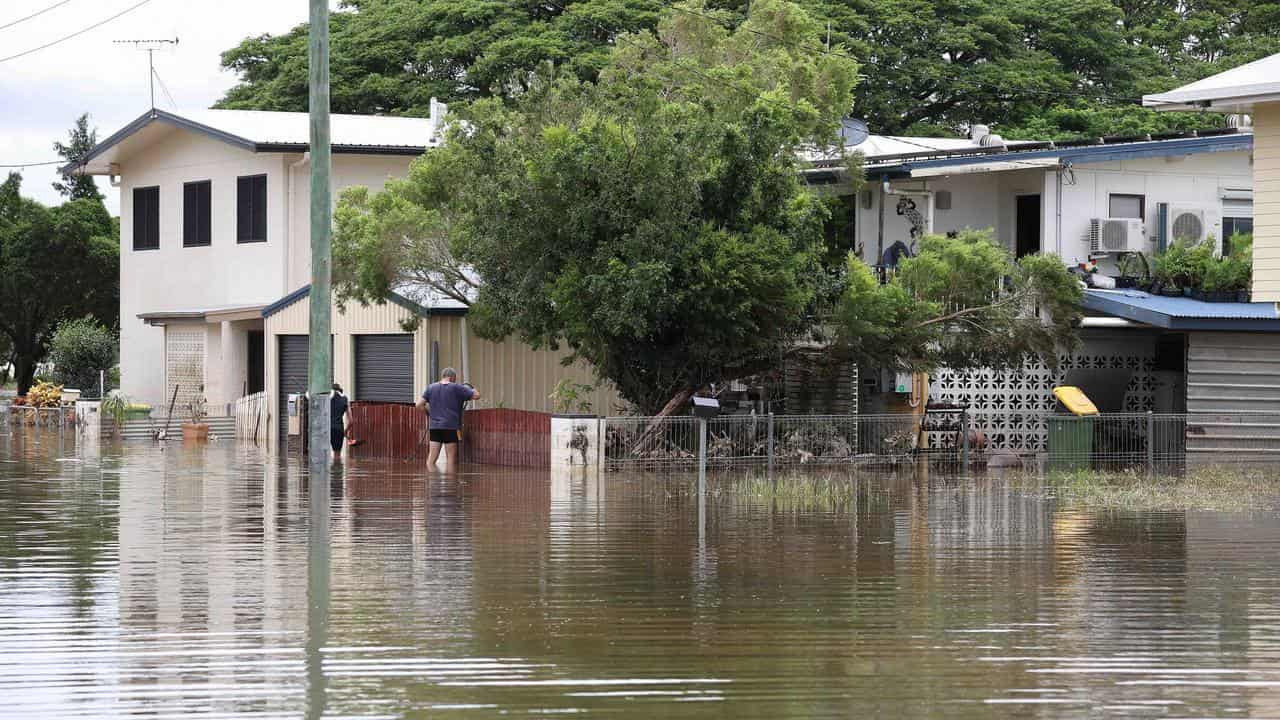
point(952, 440)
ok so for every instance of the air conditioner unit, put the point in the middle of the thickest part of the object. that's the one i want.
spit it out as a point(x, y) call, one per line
point(1188, 224)
point(1117, 235)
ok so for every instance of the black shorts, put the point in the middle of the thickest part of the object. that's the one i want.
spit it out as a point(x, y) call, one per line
point(446, 437)
point(336, 438)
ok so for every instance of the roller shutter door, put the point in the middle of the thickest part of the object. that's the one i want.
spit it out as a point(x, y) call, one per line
point(384, 368)
point(292, 365)
point(293, 377)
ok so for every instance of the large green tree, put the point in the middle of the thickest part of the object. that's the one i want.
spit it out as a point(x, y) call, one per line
point(55, 263)
point(652, 221)
point(1031, 68)
point(961, 302)
point(393, 56)
point(80, 140)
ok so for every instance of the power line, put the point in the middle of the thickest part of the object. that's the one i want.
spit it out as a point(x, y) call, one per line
point(33, 164)
point(77, 33)
point(11, 23)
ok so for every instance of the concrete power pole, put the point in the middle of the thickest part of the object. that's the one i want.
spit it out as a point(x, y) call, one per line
point(320, 367)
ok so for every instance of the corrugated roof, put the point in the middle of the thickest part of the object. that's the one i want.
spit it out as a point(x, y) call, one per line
point(262, 131)
point(294, 128)
point(1183, 313)
point(1234, 90)
point(444, 308)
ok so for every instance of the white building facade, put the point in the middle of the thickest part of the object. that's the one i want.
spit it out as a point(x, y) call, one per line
point(214, 227)
point(1041, 197)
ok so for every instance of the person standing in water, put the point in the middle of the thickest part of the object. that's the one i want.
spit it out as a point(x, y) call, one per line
point(443, 402)
point(339, 409)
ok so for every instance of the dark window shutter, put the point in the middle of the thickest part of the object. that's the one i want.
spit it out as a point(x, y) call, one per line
point(190, 215)
point(243, 209)
point(251, 209)
point(206, 213)
point(146, 218)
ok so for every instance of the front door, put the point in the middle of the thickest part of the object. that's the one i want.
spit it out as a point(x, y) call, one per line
point(1028, 225)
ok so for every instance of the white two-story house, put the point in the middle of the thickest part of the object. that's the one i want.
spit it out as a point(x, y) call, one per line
point(214, 227)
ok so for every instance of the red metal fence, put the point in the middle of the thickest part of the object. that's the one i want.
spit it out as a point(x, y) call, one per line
point(514, 438)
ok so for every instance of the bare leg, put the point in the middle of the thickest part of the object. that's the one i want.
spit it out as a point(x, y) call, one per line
point(433, 454)
point(451, 457)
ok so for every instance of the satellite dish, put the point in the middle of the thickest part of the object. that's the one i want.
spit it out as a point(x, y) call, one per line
point(853, 131)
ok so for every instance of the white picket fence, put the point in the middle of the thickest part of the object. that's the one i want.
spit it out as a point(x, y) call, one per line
point(252, 417)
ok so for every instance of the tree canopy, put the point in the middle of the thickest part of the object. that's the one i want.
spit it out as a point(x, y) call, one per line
point(961, 302)
point(55, 263)
point(80, 140)
point(1029, 68)
point(652, 221)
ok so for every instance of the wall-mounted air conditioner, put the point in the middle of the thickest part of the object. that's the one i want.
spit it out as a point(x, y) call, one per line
point(1117, 235)
point(1188, 224)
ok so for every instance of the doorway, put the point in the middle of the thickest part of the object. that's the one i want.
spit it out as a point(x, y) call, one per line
point(257, 362)
point(1027, 225)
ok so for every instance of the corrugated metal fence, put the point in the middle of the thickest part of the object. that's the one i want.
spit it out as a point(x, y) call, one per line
point(513, 438)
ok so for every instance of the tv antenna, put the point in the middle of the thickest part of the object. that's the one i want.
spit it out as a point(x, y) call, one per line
point(150, 46)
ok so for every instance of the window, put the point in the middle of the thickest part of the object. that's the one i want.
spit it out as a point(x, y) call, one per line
point(1128, 206)
point(146, 218)
point(1237, 217)
point(195, 214)
point(251, 209)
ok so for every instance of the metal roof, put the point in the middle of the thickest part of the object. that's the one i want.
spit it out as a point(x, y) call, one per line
point(219, 312)
point(261, 131)
point(1235, 90)
point(443, 308)
point(1183, 313)
point(1041, 154)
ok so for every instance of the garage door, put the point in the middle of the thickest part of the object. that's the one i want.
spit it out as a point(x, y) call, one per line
point(292, 365)
point(384, 368)
point(293, 376)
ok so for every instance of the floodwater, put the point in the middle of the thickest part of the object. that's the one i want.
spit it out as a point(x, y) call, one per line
point(174, 583)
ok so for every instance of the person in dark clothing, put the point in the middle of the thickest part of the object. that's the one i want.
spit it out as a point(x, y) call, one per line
point(443, 403)
point(339, 409)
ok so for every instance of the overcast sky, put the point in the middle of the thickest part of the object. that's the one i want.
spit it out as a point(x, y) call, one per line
point(41, 94)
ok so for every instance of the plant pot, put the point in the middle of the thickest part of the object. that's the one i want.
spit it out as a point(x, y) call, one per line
point(137, 414)
point(1125, 282)
point(1171, 291)
point(1244, 296)
point(198, 432)
point(1215, 296)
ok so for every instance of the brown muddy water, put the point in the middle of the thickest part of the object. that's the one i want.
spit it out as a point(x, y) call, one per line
point(174, 584)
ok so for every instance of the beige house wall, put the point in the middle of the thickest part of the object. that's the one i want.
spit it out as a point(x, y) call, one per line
point(509, 374)
point(1266, 202)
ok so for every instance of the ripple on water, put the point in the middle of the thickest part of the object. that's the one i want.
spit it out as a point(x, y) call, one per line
point(175, 583)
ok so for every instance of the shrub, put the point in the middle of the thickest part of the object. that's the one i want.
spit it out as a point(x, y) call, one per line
point(81, 349)
point(1183, 265)
point(44, 395)
point(1230, 274)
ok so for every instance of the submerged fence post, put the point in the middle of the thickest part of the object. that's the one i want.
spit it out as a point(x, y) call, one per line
point(702, 456)
point(964, 440)
point(770, 444)
point(1151, 443)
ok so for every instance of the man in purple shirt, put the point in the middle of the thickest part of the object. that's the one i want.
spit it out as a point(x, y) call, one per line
point(443, 402)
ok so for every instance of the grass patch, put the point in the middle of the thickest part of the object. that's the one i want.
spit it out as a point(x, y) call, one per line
point(1229, 489)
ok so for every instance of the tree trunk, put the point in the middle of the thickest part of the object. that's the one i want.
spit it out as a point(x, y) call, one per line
point(24, 372)
point(650, 434)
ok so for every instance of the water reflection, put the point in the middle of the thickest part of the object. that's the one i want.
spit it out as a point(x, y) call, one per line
point(180, 581)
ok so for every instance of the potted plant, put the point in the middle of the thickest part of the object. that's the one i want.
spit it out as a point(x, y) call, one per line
point(196, 428)
point(1181, 267)
point(1224, 280)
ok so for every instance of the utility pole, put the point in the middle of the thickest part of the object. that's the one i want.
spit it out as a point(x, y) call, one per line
point(320, 366)
point(150, 46)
